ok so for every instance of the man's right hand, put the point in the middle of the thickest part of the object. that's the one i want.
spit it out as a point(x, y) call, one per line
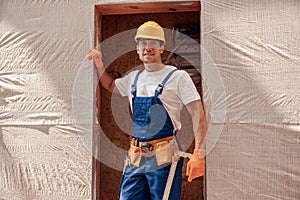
point(96, 56)
point(106, 80)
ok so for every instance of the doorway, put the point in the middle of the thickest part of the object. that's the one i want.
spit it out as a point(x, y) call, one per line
point(111, 20)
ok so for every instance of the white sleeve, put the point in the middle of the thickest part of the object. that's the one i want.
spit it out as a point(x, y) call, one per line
point(124, 84)
point(186, 89)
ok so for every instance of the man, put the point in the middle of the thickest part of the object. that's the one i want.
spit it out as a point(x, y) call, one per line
point(157, 95)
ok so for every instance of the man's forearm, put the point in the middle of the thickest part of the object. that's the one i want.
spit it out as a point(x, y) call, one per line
point(200, 133)
point(199, 123)
point(106, 80)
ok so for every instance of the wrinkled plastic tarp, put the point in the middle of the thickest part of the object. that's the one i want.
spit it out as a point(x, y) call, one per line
point(42, 48)
point(254, 62)
point(250, 69)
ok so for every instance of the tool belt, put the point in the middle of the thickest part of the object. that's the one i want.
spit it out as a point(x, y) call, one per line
point(164, 150)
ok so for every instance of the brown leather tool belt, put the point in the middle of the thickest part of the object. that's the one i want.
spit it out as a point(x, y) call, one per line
point(152, 145)
point(162, 148)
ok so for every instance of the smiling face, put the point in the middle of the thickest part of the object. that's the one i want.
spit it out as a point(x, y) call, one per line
point(150, 51)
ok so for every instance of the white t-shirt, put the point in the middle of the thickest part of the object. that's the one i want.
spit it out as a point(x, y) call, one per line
point(178, 91)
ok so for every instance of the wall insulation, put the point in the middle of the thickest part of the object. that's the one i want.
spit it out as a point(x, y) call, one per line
point(251, 59)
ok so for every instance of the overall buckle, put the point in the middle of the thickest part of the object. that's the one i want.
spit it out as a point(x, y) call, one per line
point(146, 147)
point(159, 89)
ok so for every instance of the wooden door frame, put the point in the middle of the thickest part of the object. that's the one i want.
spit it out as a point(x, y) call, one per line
point(119, 9)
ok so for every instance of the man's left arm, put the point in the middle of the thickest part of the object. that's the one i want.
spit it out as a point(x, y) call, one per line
point(196, 165)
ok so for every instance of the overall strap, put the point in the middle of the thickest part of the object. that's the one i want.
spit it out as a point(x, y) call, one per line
point(160, 86)
point(133, 86)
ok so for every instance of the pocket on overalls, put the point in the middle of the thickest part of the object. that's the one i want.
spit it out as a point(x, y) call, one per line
point(141, 108)
point(134, 154)
point(164, 152)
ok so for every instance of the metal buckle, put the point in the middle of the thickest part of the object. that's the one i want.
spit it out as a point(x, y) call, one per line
point(159, 88)
point(146, 147)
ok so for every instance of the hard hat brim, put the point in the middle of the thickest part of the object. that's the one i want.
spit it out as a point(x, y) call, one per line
point(148, 37)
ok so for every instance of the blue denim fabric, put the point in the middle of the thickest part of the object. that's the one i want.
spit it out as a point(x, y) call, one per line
point(150, 121)
point(142, 183)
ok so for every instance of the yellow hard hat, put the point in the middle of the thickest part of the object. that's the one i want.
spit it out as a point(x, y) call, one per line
point(150, 30)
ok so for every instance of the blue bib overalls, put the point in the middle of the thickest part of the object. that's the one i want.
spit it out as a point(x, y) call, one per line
point(150, 121)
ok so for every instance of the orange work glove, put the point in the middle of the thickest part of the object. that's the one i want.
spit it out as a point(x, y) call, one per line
point(196, 165)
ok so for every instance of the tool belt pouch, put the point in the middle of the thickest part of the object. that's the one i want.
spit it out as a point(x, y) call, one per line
point(165, 151)
point(134, 154)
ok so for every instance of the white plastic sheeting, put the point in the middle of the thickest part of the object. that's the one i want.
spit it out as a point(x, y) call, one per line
point(255, 50)
point(42, 48)
point(250, 72)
